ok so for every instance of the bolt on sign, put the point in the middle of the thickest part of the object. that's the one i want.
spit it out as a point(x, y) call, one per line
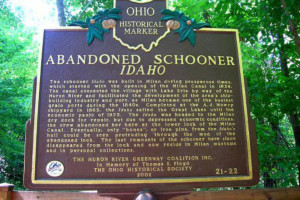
point(123, 103)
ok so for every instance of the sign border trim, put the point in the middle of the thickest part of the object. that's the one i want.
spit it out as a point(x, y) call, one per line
point(118, 181)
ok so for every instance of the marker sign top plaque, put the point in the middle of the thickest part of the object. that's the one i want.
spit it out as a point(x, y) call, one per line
point(139, 109)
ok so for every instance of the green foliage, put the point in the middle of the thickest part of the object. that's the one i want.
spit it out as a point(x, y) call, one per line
point(271, 65)
point(94, 24)
point(187, 25)
point(276, 159)
point(276, 146)
point(18, 61)
point(81, 9)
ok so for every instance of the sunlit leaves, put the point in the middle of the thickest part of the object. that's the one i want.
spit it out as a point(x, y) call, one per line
point(80, 10)
point(18, 63)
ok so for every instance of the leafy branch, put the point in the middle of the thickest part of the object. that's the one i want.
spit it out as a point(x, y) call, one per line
point(94, 24)
point(187, 25)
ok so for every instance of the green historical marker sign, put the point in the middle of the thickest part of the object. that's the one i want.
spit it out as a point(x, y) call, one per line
point(140, 107)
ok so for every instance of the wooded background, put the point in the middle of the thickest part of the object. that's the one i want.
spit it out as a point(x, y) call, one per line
point(269, 34)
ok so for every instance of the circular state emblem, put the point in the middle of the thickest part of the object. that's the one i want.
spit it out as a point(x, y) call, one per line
point(54, 168)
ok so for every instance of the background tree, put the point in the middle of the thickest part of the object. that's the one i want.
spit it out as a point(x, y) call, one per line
point(80, 9)
point(18, 61)
point(270, 41)
point(61, 12)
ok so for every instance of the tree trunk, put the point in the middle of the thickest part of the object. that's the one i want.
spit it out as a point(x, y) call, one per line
point(293, 118)
point(61, 12)
point(293, 26)
point(205, 16)
point(282, 57)
point(268, 181)
point(279, 138)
